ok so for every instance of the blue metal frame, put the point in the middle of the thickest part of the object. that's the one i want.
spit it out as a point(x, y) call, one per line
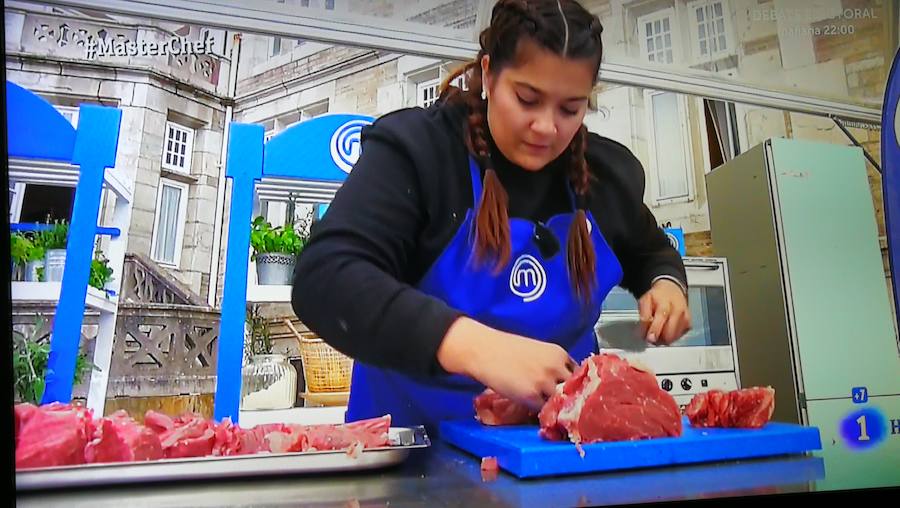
point(37, 130)
point(34, 226)
point(890, 180)
point(321, 149)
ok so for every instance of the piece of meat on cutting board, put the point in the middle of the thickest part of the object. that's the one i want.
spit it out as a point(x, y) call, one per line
point(748, 408)
point(609, 399)
point(491, 408)
point(606, 399)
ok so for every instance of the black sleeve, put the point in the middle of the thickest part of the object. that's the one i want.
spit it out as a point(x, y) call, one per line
point(617, 194)
point(349, 280)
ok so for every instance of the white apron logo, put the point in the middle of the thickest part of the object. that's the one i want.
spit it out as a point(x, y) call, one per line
point(528, 278)
point(345, 144)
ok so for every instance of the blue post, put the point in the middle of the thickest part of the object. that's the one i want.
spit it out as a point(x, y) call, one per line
point(244, 167)
point(95, 150)
point(890, 180)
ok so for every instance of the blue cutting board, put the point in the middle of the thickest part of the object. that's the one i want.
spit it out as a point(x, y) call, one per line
point(522, 452)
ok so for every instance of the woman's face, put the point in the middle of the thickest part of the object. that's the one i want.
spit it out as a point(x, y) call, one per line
point(536, 104)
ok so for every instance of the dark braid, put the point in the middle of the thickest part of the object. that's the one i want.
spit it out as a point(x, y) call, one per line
point(580, 257)
point(567, 29)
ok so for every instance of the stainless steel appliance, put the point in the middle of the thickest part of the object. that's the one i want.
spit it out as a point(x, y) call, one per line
point(705, 358)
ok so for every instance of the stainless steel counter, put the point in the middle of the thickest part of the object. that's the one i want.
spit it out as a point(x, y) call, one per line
point(444, 476)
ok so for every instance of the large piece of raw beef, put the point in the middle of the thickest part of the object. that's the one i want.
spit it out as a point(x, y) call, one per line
point(609, 399)
point(63, 434)
point(52, 435)
point(747, 408)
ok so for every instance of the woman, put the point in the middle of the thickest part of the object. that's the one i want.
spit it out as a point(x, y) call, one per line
point(474, 242)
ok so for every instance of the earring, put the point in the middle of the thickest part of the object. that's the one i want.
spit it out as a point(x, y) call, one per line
point(483, 94)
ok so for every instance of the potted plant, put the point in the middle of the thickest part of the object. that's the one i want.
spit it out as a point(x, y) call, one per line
point(268, 380)
point(30, 356)
point(54, 242)
point(19, 245)
point(34, 258)
point(275, 250)
point(101, 273)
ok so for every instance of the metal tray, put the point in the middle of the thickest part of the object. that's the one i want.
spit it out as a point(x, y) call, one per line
point(164, 470)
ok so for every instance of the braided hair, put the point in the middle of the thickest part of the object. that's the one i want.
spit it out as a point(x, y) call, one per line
point(564, 28)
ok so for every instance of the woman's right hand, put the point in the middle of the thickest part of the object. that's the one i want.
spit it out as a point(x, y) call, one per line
point(519, 368)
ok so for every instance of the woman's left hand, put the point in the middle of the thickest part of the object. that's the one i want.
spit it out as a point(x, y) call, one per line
point(664, 312)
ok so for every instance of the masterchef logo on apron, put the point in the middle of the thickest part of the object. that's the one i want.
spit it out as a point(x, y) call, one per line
point(527, 278)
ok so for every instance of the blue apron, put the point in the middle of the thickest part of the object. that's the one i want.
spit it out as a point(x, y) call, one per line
point(531, 297)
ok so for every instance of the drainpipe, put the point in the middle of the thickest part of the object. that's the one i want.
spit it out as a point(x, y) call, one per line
point(234, 55)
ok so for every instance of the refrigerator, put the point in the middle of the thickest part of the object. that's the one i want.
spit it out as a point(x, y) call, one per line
point(813, 315)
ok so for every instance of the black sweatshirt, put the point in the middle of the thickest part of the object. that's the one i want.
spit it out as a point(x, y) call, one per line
point(354, 283)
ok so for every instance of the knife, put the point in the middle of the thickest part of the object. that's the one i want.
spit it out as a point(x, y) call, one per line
point(623, 333)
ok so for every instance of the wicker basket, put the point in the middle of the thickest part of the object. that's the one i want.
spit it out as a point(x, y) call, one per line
point(325, 369)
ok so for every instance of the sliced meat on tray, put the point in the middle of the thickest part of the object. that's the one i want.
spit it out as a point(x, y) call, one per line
point(747, 408)
point(54, 435)
point(371, 433)
point(118, 438)
point(608, 399)
point(188, 435)
point(62, 434)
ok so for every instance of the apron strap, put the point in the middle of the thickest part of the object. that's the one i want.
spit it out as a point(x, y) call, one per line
point(475, 173)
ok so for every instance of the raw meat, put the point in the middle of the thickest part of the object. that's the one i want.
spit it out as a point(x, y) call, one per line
point(491, 408)
point(229, 440)
point(748, 408)
point(608, 399)
point(189, 436)
point(370, 433)
point(54, 435)
point(489, 469)
point(23, 413)
point(60, 434)
point(118, 438)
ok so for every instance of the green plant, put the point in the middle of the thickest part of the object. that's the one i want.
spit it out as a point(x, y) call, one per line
point(101, 273)
point(266, 239)
point(19, 245)
point(30, 356)
point(259, 341)
point(55, 237)
point(34, 248)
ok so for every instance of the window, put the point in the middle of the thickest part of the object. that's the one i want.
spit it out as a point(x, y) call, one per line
point(41, 203)
point(319, 4)
point(656, 36)
point(670, 143)
point(177, 150)
point(276, 46)
point(70, 113)
point(314, 110)
point(711, 32)
point(276, 125)
point(427, 92)
point(168, 225)
point(722, 131)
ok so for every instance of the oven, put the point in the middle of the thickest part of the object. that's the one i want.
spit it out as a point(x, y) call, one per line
point(704, 358)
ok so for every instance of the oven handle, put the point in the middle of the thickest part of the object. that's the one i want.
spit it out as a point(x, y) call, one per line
point(703, 266)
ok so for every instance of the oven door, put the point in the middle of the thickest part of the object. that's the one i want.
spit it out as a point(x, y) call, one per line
point(707, 347)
